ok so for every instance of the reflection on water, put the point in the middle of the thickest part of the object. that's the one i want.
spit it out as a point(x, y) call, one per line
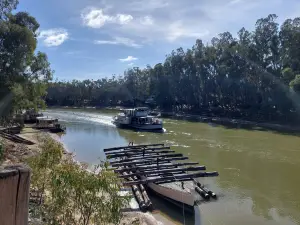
point(88, 140)
point(258, 181)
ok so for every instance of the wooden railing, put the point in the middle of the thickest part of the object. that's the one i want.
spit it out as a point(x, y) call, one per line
point(14, 195)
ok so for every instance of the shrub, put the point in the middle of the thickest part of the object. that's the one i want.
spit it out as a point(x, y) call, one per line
point(71, 194)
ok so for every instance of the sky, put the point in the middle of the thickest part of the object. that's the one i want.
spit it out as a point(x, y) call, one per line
point(93, 39)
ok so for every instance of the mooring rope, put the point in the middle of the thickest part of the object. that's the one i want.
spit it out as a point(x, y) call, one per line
point(183, 213)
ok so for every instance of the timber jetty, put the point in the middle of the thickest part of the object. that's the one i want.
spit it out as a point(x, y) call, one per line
point(156, 167)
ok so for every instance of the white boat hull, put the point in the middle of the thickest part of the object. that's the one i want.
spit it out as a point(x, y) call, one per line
point(173, 194)
point(139, 126)
point(148, 126)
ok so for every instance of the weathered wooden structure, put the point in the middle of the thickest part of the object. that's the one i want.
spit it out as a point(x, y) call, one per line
point(154, 166)
point(50, 124)
point(14, 195)
point(15, 138)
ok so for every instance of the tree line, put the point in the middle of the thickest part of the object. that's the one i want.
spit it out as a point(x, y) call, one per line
point(24, 73)
point(255, 75)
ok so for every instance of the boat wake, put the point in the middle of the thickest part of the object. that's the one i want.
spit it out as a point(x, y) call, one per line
point(78, 117)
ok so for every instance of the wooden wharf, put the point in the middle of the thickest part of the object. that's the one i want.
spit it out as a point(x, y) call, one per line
point(148, 165)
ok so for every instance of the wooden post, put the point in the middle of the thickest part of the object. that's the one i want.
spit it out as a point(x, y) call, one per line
point(14, 195)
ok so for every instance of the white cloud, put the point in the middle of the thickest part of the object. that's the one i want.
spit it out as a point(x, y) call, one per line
point(152, 5)
point(75, 52)
point(128, 59)
point(95, 18)
point(177, 30)
point(147, 20)
point(105, 42)
point(177, 22)
point(54, 37)
point(119, 41)
point(235, 1)
point(123, 18)
point(130, 64)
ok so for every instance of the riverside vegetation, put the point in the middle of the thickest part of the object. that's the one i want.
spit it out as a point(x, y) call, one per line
point(70, 194)
point(24, 73)
point(254, 75)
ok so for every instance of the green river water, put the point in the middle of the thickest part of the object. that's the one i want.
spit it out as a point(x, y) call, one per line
point(258, 182)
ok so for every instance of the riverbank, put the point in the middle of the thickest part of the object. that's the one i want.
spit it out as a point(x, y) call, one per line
point(233, 123)
point(15, 153)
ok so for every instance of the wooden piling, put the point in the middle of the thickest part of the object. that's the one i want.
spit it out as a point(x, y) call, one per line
point(137, 194)
point(136, 153)
point(131, 147)
point(151, 167)
point(143, 192)
point(163, 171)
point(162, 156)
point(149, 162)
point(14, 195)
point(171, 178)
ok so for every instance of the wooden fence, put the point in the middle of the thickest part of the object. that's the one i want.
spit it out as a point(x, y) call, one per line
point(14, 195)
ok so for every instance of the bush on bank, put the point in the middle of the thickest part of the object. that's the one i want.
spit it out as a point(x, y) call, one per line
point(69, 194)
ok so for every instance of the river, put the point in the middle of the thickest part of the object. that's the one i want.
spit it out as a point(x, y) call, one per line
point(258, 182)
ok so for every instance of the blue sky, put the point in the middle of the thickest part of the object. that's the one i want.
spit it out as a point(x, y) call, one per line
point(97, 38)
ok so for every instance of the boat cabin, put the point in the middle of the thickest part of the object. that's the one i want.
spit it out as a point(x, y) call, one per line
point(45, 122)
point(31, 115)
point(145, 120)
point(137, 112)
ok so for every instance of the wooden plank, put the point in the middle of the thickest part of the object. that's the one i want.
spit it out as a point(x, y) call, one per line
point(150, 161)
point(137, 150)
point(22, 207)
point(128, 154)
point(131, 147)
point(8, 192)
point(147, 157)
point(162, 171)
point(154, 166)
point(15, 138)
point(173, 178)
point(14, 195)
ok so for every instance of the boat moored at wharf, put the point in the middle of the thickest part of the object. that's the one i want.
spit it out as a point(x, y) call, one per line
point(49, 123)
point(154, 167)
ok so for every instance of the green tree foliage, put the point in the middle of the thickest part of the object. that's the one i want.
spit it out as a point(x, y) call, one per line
point(6, 6)
point(244, 77)
point(295, 84)
point(23, 72)
point(71, 194)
